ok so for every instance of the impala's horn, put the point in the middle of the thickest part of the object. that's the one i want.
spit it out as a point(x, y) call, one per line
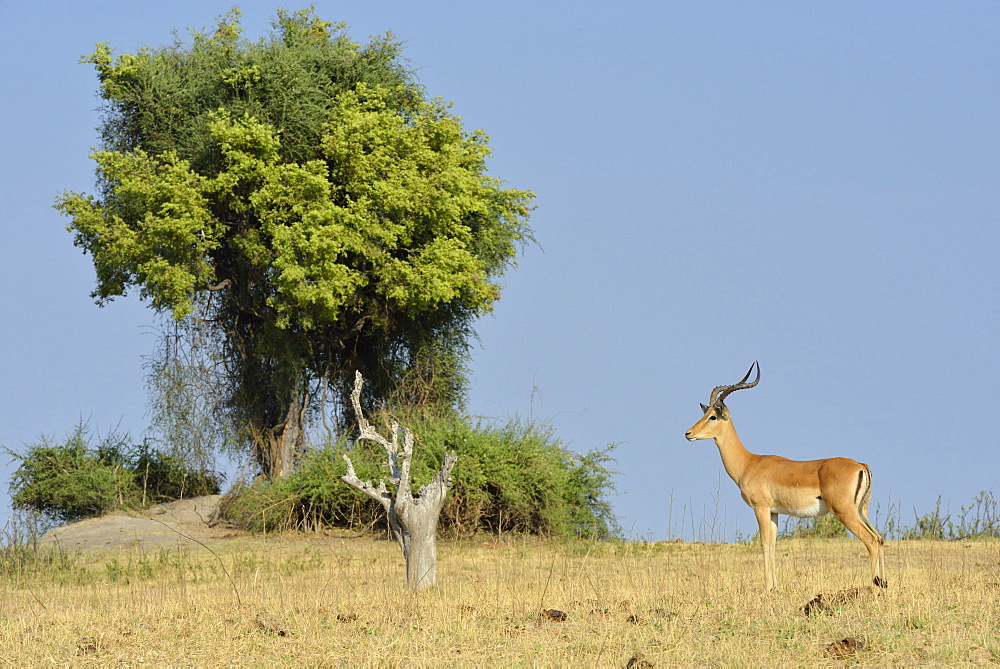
point(721, 392)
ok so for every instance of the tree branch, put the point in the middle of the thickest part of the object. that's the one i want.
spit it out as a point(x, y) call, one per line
point(379, 494)
point(219, 286)
point(370, 433)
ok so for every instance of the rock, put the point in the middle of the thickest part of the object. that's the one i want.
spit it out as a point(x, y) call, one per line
point(161, 525)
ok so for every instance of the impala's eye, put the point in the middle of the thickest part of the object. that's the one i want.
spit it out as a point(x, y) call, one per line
point(713, 418)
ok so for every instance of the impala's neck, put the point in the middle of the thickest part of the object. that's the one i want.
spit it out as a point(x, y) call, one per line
point(735, 457)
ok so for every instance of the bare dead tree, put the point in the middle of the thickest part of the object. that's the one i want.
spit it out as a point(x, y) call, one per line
point(413, 520)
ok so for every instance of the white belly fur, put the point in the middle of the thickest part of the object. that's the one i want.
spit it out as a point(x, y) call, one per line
point(815, 510)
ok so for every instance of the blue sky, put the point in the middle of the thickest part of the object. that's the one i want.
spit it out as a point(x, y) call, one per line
point(812, 185)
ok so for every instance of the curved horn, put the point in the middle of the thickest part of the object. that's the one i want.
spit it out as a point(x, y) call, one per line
point(721, 392)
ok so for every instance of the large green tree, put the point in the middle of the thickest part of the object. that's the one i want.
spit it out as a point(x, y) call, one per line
point(303, 197)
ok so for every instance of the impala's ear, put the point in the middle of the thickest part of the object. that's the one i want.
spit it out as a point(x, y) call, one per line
point(704, 409)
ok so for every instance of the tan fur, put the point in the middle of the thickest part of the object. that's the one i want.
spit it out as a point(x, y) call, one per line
point(771, 484)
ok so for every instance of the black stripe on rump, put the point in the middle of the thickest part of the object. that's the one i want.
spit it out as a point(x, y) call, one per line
point(861, 480)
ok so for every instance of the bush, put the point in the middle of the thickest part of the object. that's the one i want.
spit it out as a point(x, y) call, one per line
point(162, 477)
point(512, 478)
point(70, 481)
point(979, 520)
point(931, 525)
point(310, 498)
point(824, 527)
point(74, 480)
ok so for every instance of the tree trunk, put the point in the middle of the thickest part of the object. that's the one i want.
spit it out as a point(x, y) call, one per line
point(290, 438)
point(420, 551)
point(281, 443)
point(413, 520)
point(417, 520)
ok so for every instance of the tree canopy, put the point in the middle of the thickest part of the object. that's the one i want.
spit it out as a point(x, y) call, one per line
point(304, 198)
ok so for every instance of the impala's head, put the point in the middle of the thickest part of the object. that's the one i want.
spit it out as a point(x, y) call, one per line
point(716, 418)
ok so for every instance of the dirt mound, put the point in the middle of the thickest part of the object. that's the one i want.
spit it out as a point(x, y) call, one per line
point(823, 603)
point(160, 525)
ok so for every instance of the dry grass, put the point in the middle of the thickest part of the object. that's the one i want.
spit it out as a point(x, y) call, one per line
point(341, 601)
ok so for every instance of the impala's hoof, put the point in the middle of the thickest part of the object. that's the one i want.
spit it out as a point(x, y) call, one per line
point(881, 582)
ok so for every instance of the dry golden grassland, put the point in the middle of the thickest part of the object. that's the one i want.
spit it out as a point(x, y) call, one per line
point(331, 601)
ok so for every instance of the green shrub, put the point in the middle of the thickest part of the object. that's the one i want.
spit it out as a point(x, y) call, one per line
point(72, 480)
point(931, 525)
point(511, 478)
point(824, 527)
point(310, 498)
point(161, 477)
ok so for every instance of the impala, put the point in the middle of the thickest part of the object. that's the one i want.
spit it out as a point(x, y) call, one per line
point(771, 484)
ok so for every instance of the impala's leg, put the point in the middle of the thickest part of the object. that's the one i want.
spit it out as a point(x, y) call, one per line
point(878, 560)
point(767, 523)
point(847, 497)
point(855, 519)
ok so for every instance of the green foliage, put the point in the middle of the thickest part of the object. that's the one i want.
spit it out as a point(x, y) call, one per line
point(932, 525)
point(303, 196)
point(511, 478)
point(162, 477)
point(311, 498)
point(824, 527)
point(515, 477)
point(72, 480)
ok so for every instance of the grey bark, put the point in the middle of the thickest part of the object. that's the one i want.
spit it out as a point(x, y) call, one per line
point(412, 519)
